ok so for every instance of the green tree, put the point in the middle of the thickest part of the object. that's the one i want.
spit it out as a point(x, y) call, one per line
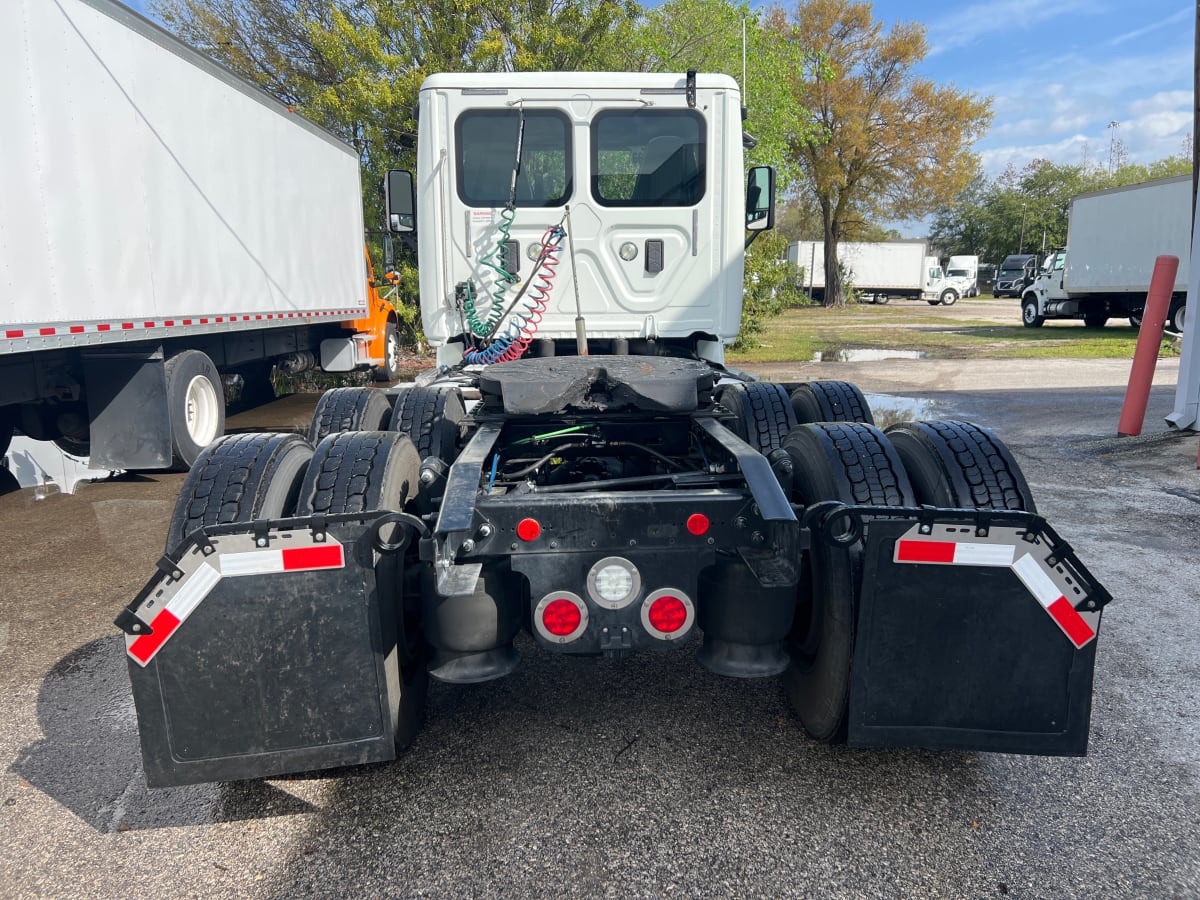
point(893, 145)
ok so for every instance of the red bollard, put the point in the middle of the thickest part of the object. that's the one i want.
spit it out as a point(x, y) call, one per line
point(1145, 355)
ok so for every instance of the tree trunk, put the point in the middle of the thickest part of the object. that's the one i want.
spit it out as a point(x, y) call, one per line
point(833, 272)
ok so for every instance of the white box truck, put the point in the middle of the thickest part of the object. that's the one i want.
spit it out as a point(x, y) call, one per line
point(879, 271)
point(163, 225)
point(1113, 238)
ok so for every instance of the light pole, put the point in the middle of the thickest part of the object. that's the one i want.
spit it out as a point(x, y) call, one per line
point(1112, 145)
point(1021, 243)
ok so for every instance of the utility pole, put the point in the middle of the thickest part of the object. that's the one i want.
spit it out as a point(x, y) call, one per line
point(1112, 145)
point(1025, 206)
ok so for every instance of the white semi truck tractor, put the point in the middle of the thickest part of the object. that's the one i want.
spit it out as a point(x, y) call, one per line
point(582, 474)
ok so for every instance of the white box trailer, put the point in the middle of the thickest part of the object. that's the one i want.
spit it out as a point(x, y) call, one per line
point(163, 224)
point(878, 270)
point(1113, 239)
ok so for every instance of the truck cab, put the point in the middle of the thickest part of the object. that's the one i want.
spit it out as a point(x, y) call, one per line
point(1015, 274)
point(631, 167)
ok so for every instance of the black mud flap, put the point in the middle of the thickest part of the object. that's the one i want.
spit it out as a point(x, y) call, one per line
point(973, 638)
point(261, 652)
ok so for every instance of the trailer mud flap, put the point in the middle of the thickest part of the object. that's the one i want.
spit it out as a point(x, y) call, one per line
point(256, 653)
point(972, 637)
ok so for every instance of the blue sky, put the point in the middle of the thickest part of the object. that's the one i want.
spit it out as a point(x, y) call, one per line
point(1059, 71)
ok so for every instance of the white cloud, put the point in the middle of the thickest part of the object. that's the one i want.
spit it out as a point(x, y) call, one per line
point(965, 26)
point(1183, 15)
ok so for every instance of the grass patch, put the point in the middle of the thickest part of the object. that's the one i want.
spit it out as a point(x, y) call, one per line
point(800, 333)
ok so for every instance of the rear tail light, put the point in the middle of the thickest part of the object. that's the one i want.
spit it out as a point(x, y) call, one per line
point(561, 617)
point(668, 613)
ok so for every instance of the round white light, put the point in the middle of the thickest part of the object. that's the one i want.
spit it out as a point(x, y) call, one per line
point(628, 251)
point(533, 251)
point(614, 582)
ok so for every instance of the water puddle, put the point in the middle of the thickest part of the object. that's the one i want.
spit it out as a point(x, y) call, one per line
point(888, 409)
point(848, 354)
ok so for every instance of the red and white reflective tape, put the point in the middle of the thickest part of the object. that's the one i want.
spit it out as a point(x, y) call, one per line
point(1030, 572)
point(200, 583)
point(29, 331)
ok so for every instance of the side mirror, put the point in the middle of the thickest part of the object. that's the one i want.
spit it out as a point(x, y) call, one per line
point(400, 198)
point(760, 199)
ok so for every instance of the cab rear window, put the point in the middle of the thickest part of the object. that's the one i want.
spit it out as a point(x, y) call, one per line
point(486, 142)
point(648, 157)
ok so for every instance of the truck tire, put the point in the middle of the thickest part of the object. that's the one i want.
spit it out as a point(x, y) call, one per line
point(348, 409)
point(882, 299)
point(854, 463)
point(960, 465)
point(240, 478)
point(361, 471)
point(430, 418)
point(196, 405)
point(948, 297)
point(1135, 320)
point(1176, 317)
point(1095, 319)
point(763, 413)
point(830, 401)
point(1029, 314)
point(390, 370)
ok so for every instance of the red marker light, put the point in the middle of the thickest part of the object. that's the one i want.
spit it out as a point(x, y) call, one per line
point(697, 523)
point(561, 617)
point(667, 614)
point(528, 529)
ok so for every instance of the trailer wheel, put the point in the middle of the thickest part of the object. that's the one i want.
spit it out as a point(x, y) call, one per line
point(960, 465)
point(949, 297)
point(240, 478)
point(1176, 317)
point(830, 401)
point(1029, 314)
point(430, 418)
point(763, 413)
point(390, 370)
point(854, 463)
point(360, 471)
point(196, 404)
point(882, 299)
point(1095, 319)
point(1135, 321)
point(7, 427)
point(348, 409)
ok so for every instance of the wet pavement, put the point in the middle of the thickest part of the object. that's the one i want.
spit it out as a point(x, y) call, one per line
point(641, 777)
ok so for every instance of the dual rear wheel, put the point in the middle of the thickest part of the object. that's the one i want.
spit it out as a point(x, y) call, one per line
point(947, 464)
point(242, 478)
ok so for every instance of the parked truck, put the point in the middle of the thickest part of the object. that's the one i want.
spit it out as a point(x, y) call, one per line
point(1015, 274)
point(965, 268)
point(582, 468)
point(879, 271)
point(1113, 238)
point(165, 229)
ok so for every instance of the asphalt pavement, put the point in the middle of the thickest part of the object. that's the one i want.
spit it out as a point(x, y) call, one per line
point(647, 776)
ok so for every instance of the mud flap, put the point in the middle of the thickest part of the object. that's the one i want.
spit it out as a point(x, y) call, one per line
point(256, 654)
point(973, 638)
